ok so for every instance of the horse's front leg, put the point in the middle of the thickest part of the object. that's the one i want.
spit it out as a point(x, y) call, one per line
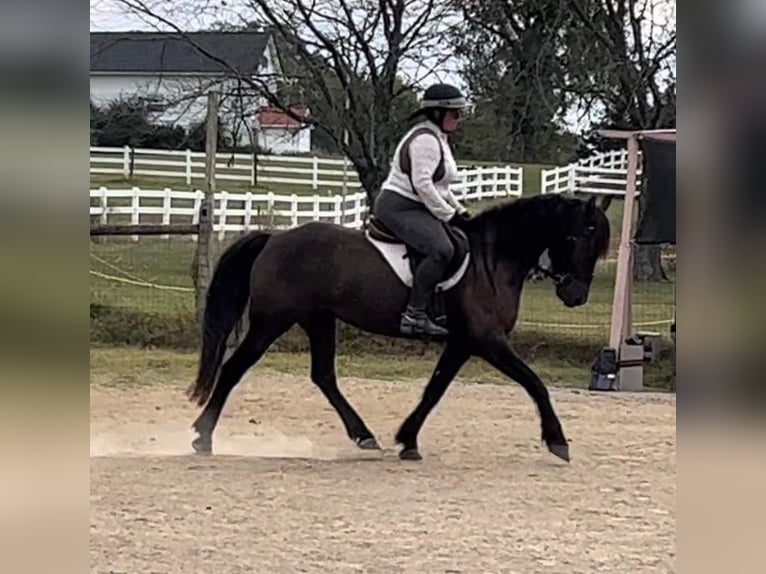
point(501, 356)
point(452, 359)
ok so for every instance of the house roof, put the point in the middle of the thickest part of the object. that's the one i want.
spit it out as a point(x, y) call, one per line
point(164, 52)
point(269, 117)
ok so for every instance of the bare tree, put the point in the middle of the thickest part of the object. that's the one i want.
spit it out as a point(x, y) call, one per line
point(626, 53)
point(611, 60)
point(347, 58)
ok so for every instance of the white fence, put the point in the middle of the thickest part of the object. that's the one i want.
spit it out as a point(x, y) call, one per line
point(600, 174)
point(311, 173)
point(244, 211)
point(234, 212)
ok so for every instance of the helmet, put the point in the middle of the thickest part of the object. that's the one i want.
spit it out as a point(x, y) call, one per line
point(443, 96)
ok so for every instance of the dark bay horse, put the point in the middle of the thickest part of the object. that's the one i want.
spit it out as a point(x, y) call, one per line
point(317, 273)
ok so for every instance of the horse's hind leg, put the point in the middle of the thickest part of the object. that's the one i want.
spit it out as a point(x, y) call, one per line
point(262, 333)
point(321, 329)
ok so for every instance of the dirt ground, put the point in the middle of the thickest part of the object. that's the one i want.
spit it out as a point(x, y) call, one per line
point(287, 492)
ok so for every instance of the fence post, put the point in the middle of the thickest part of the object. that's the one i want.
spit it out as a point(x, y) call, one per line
point(508, 181)
point(358, 210)
point(345, 175)
point(135, 214)
point(188, 166)
point(104, 212)
point(198, 197)
point(204, 255)
point(270, 208)
point(222, 215)
point(337, 214)
point(166, 201)
point(248, 210)
point(572, 178)
point(126, 162)
point(315, 182)
point(294, 209)
point(620, 323)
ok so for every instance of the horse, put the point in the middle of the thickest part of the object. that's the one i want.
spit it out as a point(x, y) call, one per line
point(318, 273)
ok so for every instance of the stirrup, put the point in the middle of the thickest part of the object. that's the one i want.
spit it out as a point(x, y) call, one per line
point(419, 323)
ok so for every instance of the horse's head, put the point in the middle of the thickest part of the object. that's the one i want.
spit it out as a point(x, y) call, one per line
point(582, 238)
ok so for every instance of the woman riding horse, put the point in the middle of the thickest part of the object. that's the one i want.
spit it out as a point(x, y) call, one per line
point(415, 201)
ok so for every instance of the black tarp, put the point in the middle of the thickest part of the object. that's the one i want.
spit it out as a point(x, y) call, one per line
point(657, 220)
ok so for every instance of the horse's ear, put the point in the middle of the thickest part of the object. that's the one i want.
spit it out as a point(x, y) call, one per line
point(591, 203)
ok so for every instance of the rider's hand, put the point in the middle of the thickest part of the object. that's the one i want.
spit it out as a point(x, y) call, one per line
point(459, 218)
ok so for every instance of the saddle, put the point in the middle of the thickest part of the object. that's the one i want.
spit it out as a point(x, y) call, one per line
point(378, 231)
point(394, 250)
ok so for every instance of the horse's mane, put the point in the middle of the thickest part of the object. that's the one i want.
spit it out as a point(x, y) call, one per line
point(535, 216)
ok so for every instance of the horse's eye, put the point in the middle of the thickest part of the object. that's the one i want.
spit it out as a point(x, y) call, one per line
point(591, 228)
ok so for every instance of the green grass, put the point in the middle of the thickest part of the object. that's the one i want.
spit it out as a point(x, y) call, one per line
point(560, 342)
point(168, 263)
point(133, 367)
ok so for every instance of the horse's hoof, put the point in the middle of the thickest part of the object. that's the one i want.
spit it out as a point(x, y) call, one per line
point(560, 450)
point(410, 454)
point(203, 445)
point(368, 443)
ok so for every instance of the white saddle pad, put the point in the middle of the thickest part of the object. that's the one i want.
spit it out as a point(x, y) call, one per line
point(395, 255)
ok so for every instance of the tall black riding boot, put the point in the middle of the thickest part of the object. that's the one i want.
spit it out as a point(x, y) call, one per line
point(417, 322)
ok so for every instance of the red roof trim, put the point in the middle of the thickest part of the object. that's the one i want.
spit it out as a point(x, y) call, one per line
point(274, 117)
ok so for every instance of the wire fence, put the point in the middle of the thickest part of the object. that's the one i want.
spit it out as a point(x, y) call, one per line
point(152, 280)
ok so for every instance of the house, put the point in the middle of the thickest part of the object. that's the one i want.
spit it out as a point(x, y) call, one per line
point(173, 73)
point(280, 133)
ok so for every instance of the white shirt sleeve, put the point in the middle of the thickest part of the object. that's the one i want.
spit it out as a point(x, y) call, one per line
point(453, 173)
point(455, 202)
point(425, 153)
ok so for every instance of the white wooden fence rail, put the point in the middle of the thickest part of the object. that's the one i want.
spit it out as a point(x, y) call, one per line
point(600, 174)
point(321, 175)
point(244, 211)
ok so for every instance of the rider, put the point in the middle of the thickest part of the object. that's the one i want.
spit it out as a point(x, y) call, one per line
point(415, 200)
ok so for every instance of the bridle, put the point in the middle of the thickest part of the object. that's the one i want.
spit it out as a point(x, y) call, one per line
point(558, 278)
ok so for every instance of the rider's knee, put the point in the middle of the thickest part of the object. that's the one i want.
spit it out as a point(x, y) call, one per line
point(445, 252)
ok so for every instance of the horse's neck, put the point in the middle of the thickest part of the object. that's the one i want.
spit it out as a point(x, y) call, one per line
point(527, 244)
point(506, 262)
point(518, 240)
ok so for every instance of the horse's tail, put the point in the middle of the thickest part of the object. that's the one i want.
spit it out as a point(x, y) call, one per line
point(226, 300)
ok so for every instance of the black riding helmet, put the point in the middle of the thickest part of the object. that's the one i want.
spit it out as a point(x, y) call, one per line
point(437, 99)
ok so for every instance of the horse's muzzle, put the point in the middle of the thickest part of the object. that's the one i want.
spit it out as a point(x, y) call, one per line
point(572, 292)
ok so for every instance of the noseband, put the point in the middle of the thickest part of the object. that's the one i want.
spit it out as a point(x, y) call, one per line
point(558, 278)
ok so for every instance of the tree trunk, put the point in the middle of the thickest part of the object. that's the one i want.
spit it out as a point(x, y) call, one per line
point(647, 263)
point(371, 179)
